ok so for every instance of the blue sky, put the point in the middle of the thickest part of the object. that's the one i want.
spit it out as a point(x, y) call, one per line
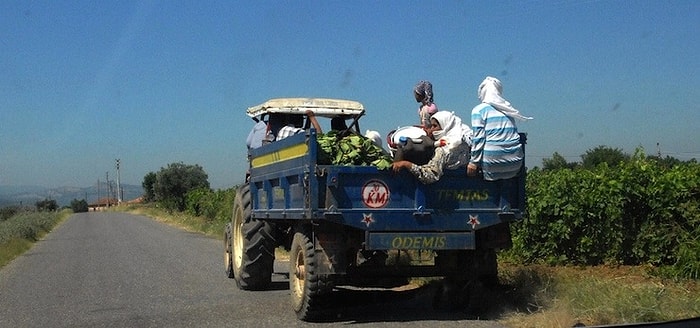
point(83, 83)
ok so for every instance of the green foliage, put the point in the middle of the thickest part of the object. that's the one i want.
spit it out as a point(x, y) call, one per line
point(9, 211)
point(667, 161)
point(351, 150)
point(603, 154)
point(148, 181)
point(174, 182)
point(213, 205)
point(565, 210)
point(27, 225)
point(639, 212)
point(79, 206)
point(46, 205)
point(557, 162)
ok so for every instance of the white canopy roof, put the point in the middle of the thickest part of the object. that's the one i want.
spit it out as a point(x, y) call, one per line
point(320, 106)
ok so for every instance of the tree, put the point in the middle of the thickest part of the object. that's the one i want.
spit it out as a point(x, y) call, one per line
point(148, 181)
point(557, 162)
point(667, 161)
point(175, 181)
point(603, 154)
point(46, 205)
point(79, 206)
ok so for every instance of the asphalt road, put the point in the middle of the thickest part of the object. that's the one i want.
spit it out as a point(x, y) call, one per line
point(121, 270)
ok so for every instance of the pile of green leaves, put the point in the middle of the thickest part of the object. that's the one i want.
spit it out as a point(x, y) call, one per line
point(351, 150)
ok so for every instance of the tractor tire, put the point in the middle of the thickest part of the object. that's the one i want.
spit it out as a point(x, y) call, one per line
point(308, 289)
point(228, 259)
point(252, 245)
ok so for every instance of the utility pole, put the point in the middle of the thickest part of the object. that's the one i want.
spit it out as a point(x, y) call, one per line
point(109, 188)
point(98, 195)
point(119, 187)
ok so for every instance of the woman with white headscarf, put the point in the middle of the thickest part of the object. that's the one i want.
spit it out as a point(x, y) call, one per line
point(452, 142)
point(496, 148)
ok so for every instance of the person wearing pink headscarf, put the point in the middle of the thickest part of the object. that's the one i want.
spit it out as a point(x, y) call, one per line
point(423, 92)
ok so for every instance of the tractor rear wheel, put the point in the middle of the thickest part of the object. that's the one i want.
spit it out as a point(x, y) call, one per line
point(253, 245)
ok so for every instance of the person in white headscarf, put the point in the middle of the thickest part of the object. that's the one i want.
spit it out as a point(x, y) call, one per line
point(496, 148)
point(452, 141)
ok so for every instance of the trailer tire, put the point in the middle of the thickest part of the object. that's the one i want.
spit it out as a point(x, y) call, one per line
point(228, 259)
point(253, 245)
point(488, 274)
point(309, 290)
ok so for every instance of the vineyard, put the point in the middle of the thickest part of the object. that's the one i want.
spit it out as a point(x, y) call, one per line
point(638, 212)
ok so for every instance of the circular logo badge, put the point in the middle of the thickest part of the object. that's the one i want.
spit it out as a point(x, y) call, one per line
point(375, 194)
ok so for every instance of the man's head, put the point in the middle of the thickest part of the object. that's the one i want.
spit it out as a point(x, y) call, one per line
point(338, 124)
point(278, 120)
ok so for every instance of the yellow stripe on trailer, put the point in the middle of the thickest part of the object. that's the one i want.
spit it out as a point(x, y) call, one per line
point(281, 155)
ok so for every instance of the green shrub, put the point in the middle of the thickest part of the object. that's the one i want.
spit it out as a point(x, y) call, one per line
point(79, 206)
point(27, 225)
point(9, 211)
point(213, 205)
point(570, 219)
point(639, 212)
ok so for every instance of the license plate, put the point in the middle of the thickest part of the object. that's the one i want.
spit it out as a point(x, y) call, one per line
point(434, 241)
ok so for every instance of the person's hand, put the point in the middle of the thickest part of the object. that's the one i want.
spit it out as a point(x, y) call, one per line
point(397, 166)
point(472, 169)
point(309, 113)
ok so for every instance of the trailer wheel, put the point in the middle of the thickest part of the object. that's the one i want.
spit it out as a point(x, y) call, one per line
point(308, 288)
point(253, 245)
point(228, 259)
point(488, 273)
point(469, 274)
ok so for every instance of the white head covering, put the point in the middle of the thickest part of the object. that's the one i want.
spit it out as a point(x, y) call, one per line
point(375, 136)
point(453, 132)
point(490, 91)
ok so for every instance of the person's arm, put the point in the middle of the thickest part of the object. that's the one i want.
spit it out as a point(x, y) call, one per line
point(478, 141)
point(312, 117)
point(428, 173)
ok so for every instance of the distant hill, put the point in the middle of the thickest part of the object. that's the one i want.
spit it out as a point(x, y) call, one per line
point(29, 195)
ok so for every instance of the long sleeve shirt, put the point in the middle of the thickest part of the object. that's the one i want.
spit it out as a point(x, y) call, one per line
point(496, 144)
point(442, 159)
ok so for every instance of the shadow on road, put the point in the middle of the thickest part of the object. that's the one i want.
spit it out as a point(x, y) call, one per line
point(428, 302)
point(432, 301)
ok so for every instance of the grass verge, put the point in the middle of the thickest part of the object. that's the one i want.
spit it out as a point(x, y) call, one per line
point(182, 220)
point(542, 296)
point(19, 232)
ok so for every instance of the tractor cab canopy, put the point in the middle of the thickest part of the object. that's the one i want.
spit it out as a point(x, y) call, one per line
point(344, 114)
point(320, 106)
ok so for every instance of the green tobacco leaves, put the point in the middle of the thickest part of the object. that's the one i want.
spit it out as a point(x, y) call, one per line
point(351, 150)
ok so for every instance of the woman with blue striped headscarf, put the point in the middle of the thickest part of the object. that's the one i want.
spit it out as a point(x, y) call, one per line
point(496, 148)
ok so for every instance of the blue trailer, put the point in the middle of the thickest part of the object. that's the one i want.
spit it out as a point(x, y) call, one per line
point(359, 225)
